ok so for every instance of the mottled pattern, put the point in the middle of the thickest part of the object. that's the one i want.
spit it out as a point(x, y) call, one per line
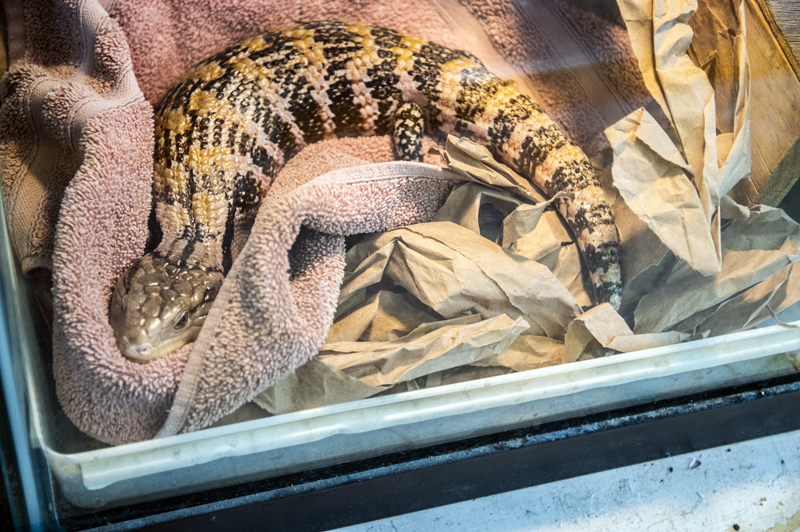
point(409, 123)
point(231, 122)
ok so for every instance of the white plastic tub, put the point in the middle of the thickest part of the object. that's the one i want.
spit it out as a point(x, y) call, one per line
point(90, 475)
point(322, 436)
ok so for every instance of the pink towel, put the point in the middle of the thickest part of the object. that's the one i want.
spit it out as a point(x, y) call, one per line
point(76, 147)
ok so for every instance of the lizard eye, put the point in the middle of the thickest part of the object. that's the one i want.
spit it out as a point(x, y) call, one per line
point(180, 323)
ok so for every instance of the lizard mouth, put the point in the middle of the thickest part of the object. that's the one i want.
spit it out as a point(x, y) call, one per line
point(137, 353)
point(145, 352)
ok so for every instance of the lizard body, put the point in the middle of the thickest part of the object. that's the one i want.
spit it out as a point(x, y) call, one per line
point(225, 129)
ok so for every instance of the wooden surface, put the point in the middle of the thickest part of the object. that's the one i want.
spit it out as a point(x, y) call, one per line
point(775, 98)
point(786, 15)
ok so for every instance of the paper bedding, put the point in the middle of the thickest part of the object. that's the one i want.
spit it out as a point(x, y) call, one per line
point(403, 275)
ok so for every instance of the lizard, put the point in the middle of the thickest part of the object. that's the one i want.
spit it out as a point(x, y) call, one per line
point(227, 126)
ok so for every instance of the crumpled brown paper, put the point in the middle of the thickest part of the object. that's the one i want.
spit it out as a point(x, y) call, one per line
point(483, 290)
point(758, 258)
point(683, 273)
point(445, 301)
point(495, 283)
point(491, 286)
point(661, 38)
point(655, 183)
point(344, 371)
point(719, 49)
point(601, 331)
point(663, 243)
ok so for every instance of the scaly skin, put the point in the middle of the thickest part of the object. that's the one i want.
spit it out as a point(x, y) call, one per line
point(231, 122)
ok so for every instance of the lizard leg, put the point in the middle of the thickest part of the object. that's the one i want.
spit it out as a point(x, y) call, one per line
point(409, 123)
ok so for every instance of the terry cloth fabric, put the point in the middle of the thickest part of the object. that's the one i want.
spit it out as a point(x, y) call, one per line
point(76, 149)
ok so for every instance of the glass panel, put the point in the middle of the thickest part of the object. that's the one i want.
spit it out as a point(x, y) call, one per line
point(23, 340)
point(479, 317)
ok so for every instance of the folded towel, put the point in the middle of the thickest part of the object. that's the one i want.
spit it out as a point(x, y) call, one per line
point(76, 148)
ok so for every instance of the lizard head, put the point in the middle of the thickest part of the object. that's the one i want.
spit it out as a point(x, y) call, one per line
point(158, 307)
